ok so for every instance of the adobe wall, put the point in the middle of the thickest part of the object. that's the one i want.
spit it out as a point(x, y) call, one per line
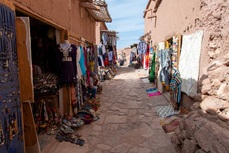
point(186, 17)
point(68, 14)
point(149, 23)
point(100, 26)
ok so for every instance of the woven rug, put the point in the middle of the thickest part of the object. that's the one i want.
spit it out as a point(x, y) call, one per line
point(171, 126)
point(153, 92)
point(165, 111)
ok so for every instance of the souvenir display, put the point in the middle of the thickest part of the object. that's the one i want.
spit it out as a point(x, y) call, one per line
point(10, 104)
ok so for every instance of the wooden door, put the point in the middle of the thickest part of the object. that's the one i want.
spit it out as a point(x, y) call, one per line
point(24, 59)
point(26, 83)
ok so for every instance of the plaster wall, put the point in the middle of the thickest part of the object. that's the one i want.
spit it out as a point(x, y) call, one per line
point(68, 14)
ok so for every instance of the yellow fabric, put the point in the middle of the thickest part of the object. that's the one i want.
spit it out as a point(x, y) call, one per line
point(166, 44)
point(92, 66)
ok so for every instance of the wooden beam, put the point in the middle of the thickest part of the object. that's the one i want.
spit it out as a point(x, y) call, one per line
point(152, 16)
point(149, 9)
point(90, 6)
point(158, 2)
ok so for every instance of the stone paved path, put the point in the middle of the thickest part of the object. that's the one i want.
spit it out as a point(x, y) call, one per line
point(128, 121)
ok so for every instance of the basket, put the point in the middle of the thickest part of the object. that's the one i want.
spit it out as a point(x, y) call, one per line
point(87, 117)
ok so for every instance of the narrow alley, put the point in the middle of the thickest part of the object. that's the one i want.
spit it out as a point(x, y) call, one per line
point(128, 120)
point(111, 76)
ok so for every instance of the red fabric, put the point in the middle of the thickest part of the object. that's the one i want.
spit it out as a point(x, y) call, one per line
point(106, 63)
point(147, 57)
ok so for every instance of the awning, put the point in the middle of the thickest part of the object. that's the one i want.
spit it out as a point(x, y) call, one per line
point(110, 32)
point(98, 10)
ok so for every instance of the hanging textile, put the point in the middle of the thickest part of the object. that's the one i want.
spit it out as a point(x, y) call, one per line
point(105, 38)
point(189, 62)
point(161, 46)
point(142, 47)
point(82, 62)
point(152, 70)
point(147, 58)
point(78, 56)
point(66, 59)
point(175, 86)
point(165, 60)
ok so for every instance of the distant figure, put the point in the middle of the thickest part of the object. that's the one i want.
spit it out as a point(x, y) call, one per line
point(92, 87)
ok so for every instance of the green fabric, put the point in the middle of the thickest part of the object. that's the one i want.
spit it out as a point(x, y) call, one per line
point(152, 70)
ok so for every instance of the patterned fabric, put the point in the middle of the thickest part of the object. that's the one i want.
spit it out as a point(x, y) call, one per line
point(175, 86)
point(165, 59)
point(165, 111)
point(142, 47)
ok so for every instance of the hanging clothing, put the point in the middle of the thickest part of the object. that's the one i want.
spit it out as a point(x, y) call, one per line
point(103, 49)
point(104, 38)
point(175, 86)
point(99, 49)
point(142, 47)
point(165, 63)
point(79, 71)
point(110, 55)
point(152, 70)
point(100, 58)
point(147, 58)
point(82, 62)
point(66, 61)
point(92, 66)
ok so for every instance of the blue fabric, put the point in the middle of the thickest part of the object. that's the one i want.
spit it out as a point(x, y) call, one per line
point(175, 86)
point(165, 61)
point(82, 62)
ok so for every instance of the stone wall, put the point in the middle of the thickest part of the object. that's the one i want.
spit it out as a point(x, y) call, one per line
point(206, 128)
point(201, 132)
point(214, 86)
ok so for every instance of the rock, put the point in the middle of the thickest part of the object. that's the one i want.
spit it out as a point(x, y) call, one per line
point(205, 89)
point(190, 128)
point(223, 90)
point(198, 97)
point(214, 65)
point(216, 83)
point(206, 81)
point(196, 106)
point(212, 105)
point(226, 96)
point(190, 146)
point(214, 74)
point(212, 54)
point(224, 115)
point(200, 151)
point(226, 57)
point(206, 137)
point(213, 45)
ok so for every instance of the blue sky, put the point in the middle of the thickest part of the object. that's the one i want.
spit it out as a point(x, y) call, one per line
point(127, 19)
